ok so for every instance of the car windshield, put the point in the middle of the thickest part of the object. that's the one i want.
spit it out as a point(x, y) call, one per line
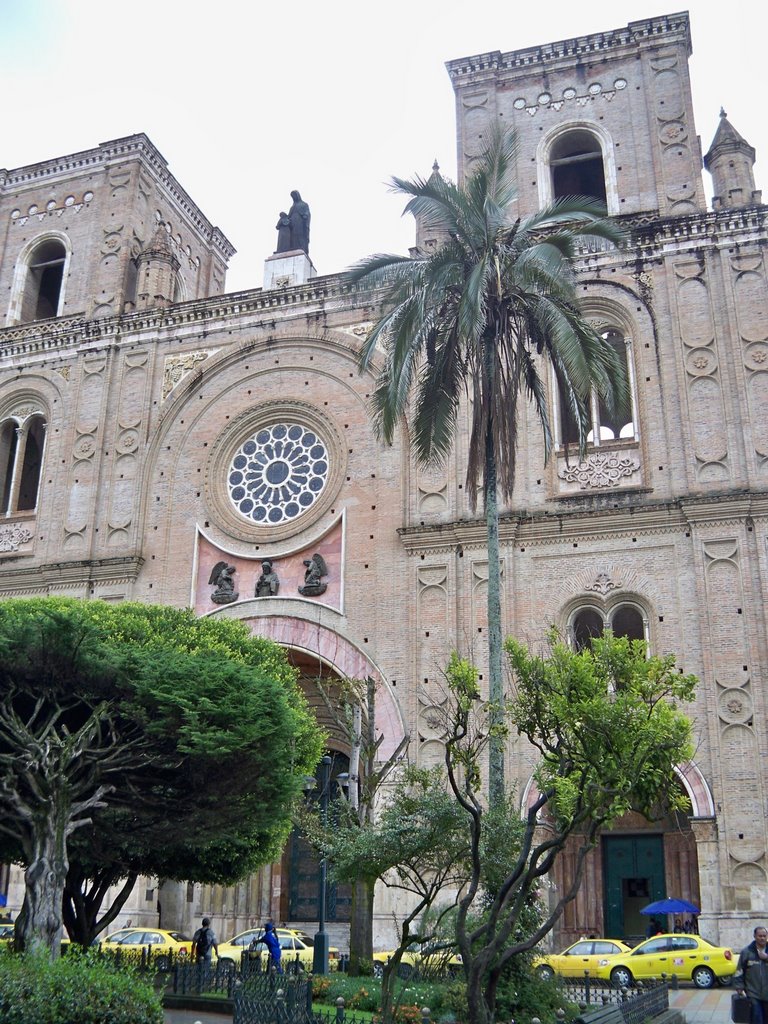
point(178, 937)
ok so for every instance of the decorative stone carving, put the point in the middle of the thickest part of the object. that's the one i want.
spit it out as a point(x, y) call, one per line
point(84, 447)
point(176, 368)
point(600, 469)
point(316, 569)
point(735, 706)
point(12, 537)
point(222, 578)
point(268, 584)
point(603, 584)
point(127, 442)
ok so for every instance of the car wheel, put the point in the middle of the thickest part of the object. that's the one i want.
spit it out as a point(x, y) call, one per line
point(703, 977)
point(621, 976)
point(725, 982)
point(378, 969)
point(404, 971)
point(545, 972)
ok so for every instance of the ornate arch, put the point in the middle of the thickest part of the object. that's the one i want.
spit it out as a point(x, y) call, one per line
point(321, 636)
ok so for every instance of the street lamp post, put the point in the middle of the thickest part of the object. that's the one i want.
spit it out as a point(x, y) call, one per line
point(320, 957)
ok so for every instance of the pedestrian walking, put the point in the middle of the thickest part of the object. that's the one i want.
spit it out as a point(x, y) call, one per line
point(752, 974)
point(204, 943)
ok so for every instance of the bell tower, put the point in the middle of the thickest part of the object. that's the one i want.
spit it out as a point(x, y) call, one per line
point(608, 115)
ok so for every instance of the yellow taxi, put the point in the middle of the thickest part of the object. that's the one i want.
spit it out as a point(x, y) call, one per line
point(297, 948)
point(420, 958)
point(162, 946)
point(573, 962)
point(686, 957)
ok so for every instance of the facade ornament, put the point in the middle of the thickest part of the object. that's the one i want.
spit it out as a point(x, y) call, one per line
point(268, 584)
point(12, 537)
point(600, 469)
point(176, 368)
point(603, 584)
point(316, 569)
point(222, 578)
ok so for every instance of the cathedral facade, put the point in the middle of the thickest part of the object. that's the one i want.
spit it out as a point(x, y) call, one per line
point(163, 440)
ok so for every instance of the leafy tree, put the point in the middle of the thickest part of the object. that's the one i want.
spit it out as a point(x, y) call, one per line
point(417, 844)
point(608, 727)
point(474, 316)
point(139, 739)
point(351, 703)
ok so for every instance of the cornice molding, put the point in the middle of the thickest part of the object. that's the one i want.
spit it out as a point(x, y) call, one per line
point(543, 529)
point(70, 575)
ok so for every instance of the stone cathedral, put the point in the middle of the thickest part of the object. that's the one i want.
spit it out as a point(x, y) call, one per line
point(163, 440)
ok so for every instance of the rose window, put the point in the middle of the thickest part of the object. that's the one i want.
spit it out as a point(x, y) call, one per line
point(278, 473)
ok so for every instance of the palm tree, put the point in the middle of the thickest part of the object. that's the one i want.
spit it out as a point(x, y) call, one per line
point(472, 317)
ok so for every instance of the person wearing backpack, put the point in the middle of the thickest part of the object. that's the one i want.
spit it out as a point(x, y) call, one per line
point(204, 942)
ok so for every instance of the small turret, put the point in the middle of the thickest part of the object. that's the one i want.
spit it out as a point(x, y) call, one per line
point(730, 161)
point(157, 269)
point(428, 236)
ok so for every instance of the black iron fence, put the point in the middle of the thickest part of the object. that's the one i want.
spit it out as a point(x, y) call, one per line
point(270, 998)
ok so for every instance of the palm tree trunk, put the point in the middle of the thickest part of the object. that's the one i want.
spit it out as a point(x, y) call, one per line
point(495, 671)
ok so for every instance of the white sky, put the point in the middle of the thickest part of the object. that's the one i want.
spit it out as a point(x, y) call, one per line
point(249, 100)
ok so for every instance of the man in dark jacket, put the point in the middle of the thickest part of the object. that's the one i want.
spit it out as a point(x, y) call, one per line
point(752, 974)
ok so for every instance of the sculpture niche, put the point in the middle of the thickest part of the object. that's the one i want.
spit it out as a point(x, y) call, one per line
point(293, 227)
point(316, 569)
point(268, 584)
point(222, 578)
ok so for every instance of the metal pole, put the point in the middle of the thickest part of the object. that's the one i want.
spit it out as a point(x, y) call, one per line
point(320, 956)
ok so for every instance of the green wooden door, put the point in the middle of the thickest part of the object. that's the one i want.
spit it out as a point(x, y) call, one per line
point(633, 876)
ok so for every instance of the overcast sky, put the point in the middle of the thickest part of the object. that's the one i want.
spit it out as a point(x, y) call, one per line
point(249, 100)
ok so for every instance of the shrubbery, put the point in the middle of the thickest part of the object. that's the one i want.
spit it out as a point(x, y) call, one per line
point(75, 989)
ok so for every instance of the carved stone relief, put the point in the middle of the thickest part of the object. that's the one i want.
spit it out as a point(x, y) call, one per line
point(84, 447)
point(577, 93)
point(603, 584)
point(13, 537)
point(600, 469)
point(176, 368)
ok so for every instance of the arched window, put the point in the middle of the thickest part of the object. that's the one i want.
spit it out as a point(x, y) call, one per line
point(576, 164)
point(623, 619)
point(22, 441)
point(45, 274)
point(606, 426)
point(38, 285)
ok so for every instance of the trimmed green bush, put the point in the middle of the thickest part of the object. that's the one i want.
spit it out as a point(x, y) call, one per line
point(75, 989)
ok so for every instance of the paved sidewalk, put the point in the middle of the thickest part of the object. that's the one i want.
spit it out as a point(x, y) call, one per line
point(703, 1006)
point(196, 1017)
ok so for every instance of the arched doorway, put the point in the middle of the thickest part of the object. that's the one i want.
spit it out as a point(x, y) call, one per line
point(634, 863)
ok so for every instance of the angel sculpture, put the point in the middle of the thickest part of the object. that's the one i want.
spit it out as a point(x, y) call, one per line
point(316, 569)
point(221, 578)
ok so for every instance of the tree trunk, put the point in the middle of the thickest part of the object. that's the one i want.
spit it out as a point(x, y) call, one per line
point(84, 898)
point(44, 884)
point(495, 669)
point(361, 925)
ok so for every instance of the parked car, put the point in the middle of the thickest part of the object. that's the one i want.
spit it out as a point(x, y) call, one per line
point(162, 945)
point(584, 955)
point(686, 957)
point(294, 944)
point(421, 958)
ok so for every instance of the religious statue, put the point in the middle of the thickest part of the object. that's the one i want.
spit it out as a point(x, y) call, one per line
point(283, 233)
point(268, 584)
point(221, 578)
point(316, 569)
point(293, 227)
